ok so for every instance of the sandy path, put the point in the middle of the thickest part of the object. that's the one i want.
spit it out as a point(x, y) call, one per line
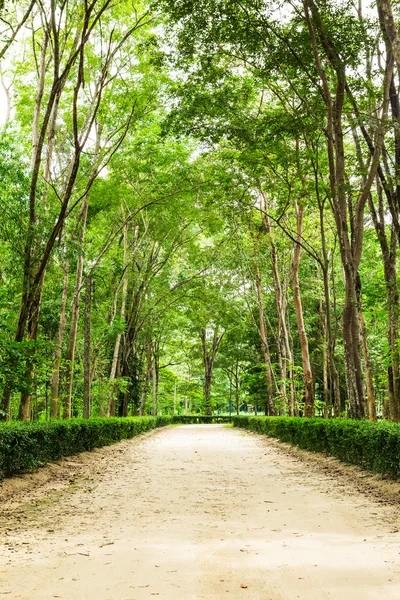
point(200, 511)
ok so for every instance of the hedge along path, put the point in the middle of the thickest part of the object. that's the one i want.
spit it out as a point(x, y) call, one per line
point(25, 446)
point(202, 511)
point(374, 446)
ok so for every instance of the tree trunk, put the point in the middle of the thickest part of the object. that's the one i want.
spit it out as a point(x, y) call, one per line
point(333, 372)
point(389, 258)
point(175, 397)
point(55, 380)
point(284, 350)
point(147, 381)
point(208, 362)
point(393, 339)
point(69, 376)
point(327, 395)
point(305, 355)
point(24, 413)
point(350, 245)
point(269, 403)
point(154, 381)
point(117, 346)
point(87, 353)
point(101, 397)
point(351, 342)
point(371, 402)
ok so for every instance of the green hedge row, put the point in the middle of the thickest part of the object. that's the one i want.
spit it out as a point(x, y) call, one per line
point(189, 419)
point(27, 445)
point(375, 446)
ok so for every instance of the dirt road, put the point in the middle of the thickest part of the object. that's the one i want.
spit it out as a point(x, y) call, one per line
point(201, 511)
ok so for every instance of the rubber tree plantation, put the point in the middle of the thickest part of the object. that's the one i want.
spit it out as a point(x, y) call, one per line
point(200, 209)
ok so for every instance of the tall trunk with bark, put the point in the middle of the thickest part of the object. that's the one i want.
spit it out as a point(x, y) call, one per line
point(147, 381)
point(55, 379)
point(24, 413)
point(305, 354)
point(350, 244)
point(175, 383)
point(70, 358)
point(284, 349)
point(209, 355)
point(117, 346)
point(333, 371)
point(31, 297)
point(154, 382)
point(269, 402)
point(327, 394)
point(101, 397)
point(87, 349)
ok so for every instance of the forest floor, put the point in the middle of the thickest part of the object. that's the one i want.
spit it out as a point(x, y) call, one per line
point(199, 511)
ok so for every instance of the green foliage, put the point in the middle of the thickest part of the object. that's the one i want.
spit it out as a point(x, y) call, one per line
point(374, 446)
point(191, 419)
point(222, 120)
point(28, 445)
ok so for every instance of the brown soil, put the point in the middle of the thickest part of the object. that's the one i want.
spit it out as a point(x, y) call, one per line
point(199, 511)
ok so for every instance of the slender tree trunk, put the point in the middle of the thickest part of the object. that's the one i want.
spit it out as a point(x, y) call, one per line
point(285, 354)
point(208, 362)
point(55, 380)
point(147, 381)
point(333, 372)
point(327, 395)
point(371, 402)
point(175, 397)
point(117, 346)
point(269, 403)
point(351, 342)
point(393, 338)
point(154, 381)
point(307, 372)
point(389, 258)
point(87, 350)
point(70, 358)
point(25, 409)
point(101, 397)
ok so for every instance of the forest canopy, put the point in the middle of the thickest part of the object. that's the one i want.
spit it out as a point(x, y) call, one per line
point(200, 208)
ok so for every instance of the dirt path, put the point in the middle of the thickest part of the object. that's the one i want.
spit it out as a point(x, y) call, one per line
point(192, 512)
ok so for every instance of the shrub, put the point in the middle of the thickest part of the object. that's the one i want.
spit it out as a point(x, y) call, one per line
point(374, 446)
point(25, 446)
point(28, 445)
point(190, 419)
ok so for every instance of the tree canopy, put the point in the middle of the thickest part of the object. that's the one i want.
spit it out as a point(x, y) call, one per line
point(200, 208)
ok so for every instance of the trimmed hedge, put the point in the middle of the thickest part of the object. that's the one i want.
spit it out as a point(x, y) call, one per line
point(190, 419)
point(374, 446)
point(25, 446)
